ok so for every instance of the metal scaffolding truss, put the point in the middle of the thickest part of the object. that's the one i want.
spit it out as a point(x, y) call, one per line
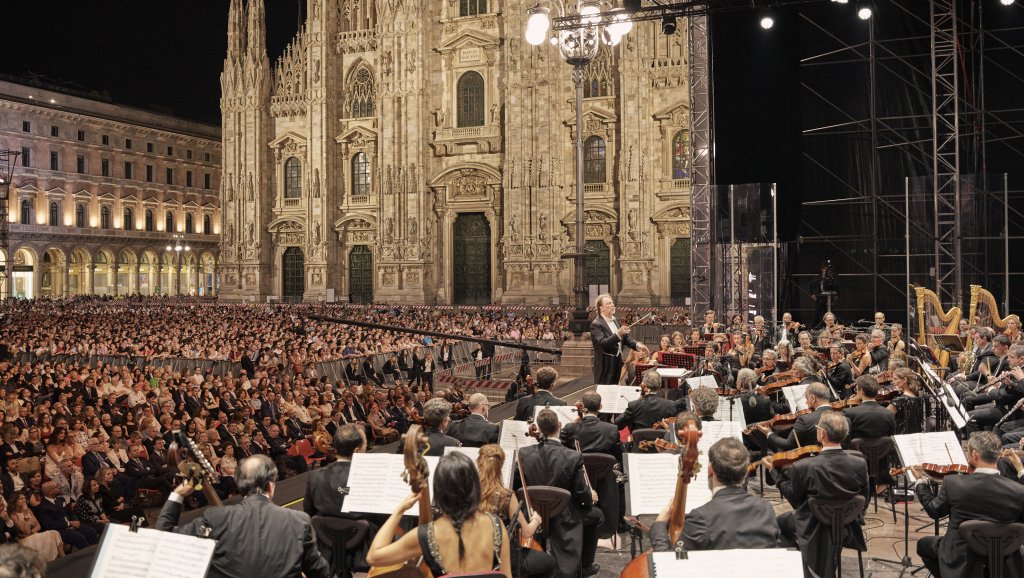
point(924, 119)
point(702, 166)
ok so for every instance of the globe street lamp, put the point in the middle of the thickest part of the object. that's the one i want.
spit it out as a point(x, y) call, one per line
point(582, 26)
point(177, 246)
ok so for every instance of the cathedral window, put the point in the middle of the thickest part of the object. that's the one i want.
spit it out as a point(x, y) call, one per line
point(472, 7)
point(361, 95)
point(360, 175)
point(471, 99)
point(594, 160)
point(292, 178)
point(597, 76)
point(681, 155)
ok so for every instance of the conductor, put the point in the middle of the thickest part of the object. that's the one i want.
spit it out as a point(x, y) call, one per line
point(609, 338)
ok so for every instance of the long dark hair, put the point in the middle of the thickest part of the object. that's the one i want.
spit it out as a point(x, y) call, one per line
point(457, 491)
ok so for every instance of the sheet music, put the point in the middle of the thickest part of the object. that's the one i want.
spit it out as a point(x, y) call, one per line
point(673, 372)
point(770, 563)
point(376, 486)
point(953, 407)
point(514, 435)
point(795, 396)
point(151, 553)
point(723, 412)
point(940, 448)
point(566, 413)
point(473, 453)
point(712, 431)
point(615, 398)
point(652, 479)
point(702, 381)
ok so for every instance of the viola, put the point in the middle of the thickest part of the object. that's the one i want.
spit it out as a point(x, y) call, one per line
point(845, 403)
point(779, 421)
point(658, 444)
point(936, 471)
point(783, 459)
point(775, 386)
point(579, 409)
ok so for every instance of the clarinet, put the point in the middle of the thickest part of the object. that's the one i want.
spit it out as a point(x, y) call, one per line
point(1017, 406)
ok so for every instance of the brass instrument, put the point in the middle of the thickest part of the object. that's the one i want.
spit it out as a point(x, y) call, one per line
point(966, 360)
point(324, 444)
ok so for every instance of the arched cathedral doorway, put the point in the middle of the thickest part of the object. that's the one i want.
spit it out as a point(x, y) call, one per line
point(293, 269)
point(360, 275)
point(471, 266)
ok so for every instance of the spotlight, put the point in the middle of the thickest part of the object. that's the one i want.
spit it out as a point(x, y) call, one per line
point(841, 1)
point(1006, 2)
point(767, 21)
point(668, 25)
point(864, 11)
point(631, 6)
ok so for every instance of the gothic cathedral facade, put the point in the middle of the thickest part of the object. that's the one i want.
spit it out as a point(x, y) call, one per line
point(421, 152)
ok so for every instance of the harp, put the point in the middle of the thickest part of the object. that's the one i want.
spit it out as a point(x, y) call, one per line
point(932, 320)
point(984, 311)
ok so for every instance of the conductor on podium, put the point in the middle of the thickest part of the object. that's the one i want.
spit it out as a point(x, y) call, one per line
point(610, 337)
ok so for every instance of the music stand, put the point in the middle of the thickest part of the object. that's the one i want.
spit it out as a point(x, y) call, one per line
point(951, 343)
point(828, 295)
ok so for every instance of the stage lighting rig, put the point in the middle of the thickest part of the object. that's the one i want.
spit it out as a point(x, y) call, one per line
point(864, 11)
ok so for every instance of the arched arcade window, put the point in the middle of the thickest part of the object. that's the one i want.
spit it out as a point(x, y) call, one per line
point(594, 160)
point(471, 99)
point(292, 178)
point(681, 155)
point(360, 175)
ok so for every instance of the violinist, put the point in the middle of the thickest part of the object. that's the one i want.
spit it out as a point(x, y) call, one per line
point(546, 377)
point(709, 327)
point(475, 430)
point(760, 336)
point(982, 495)
point(895, 342)
point(783, 355)
point(462, 540)
point(322, 495)
point(834, 474)
point(756, 407)
point(573, 533)
point(831, 329)
point(908, 406)
point(803, 433)
point(693, 339)
point(804, 369)
point(860, 344)
point(869, 419)
point(880, 325)
point(877, 358)
point(649, 409)
point(733, 518)
point(788, 329)
point(436, 419)
point(741, 352)
point(704, 401)
point(838, 372)
point(713, 364)
point(593, 435)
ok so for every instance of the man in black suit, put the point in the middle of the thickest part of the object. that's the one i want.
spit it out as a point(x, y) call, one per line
point(446, 355)
point(1005, 394)
point(594, 435)
point(475, 431)
point(869, 420)
point(573, 536)
point(803, 432)
point(982, 495)
point(436, 419)
point(609, 338)
point(277, 448)
point(733, 518)
point(649, 409)
point(250, 535)
point(546, 377)
point(143, 474)
point(832, 475)
point(53, 513)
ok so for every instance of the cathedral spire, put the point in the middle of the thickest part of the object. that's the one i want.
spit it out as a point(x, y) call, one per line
point(236, 30)
point(256, 33)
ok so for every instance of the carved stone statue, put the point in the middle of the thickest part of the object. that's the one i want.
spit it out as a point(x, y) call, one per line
point(252, 234)
point(412, 227)
point(542, 226)
point(316, 184)
point(316, 234)
point(513, 225)
point(438, 117)
point(389, 228)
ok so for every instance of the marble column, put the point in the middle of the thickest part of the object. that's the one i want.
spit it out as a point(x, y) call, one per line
point(92, 278)
point(66, 289)
point(114, 269)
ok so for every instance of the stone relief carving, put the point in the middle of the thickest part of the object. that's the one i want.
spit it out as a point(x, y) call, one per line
point(469, 184)
point(542, 227)
point(411, 227)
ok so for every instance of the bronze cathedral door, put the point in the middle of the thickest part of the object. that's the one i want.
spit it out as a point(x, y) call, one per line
point(471, 267)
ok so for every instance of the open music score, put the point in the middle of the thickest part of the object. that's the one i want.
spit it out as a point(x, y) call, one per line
point(795, 396)
point(615, 398)
point(147, 553)
point(506, 469)
point(715, 430)
point(770, 563)
point(653, 473)
point(940, 448)
point(566, 413)
point(948, 396)
point(376, 486)
point(514, 435)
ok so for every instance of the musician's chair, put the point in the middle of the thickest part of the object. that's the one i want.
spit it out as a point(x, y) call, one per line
point(994, 541)
point(548, 502)
point(837, 515)
point(341, 536)
point(645, 435)
point(876, 453)
point(599, 469)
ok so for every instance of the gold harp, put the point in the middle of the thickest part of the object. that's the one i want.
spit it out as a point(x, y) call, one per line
point(931, 320)
point(984, 311)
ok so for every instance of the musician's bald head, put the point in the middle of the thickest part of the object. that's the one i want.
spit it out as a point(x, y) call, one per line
point(256, 475)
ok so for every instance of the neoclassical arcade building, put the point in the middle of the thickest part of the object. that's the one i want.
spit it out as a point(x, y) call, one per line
point(99, 193)
point(422, 152)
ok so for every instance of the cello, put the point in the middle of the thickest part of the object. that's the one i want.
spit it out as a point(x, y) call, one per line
point(417, 475)
point(640, 567)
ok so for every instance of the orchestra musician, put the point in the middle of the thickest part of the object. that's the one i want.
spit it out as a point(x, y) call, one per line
point(1013, 328)
point(860, 344)
point(784, 355)
point(593, 435)
point(756, 407)
point(704, 401)
point(869, 419)
point(804, 369)
point(475, 430)
point(664, 346)
point(840, 375)
point(649, 409)
point(610, 338)
point(713, 364)
point(462, 540)
point(733, 518)
point(803, 433)
point(737, 324)
point(908, 405)
point(876, 356)
point(742, 350)
point(788, 329)
point(710, 327)
point(896, 344)
point(806, 349)
point(678, 342)
point(573, 536)
point(981, 495)
point(248, 534)
point(984, 356)
point(1002, 395)
point(834, 474)
point(693, 338)
point(761, 337)
point(546, 377)
point(831, 328)
point(436, 419)
point(880, 325)
point(768, 366)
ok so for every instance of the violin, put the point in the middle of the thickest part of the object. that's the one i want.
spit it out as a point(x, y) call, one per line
point(658, 444)
point(579, 409)
point(783, 459)
point(936, 471)
point(417, 475)
point(775, 386)
point(689, 436)
point(778, 422)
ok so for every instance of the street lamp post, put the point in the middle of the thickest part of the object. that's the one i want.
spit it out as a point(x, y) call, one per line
point(176, 246)
point(578, 45)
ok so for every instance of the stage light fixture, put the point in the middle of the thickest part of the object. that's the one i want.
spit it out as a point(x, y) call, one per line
point(668, 25)
point(767, 21)
point(631, 6)
point(864, 11)
point(841, 1)
point(1006, 2)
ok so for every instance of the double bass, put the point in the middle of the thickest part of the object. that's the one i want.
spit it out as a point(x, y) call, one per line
point(689, 435)
point(417, 475)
